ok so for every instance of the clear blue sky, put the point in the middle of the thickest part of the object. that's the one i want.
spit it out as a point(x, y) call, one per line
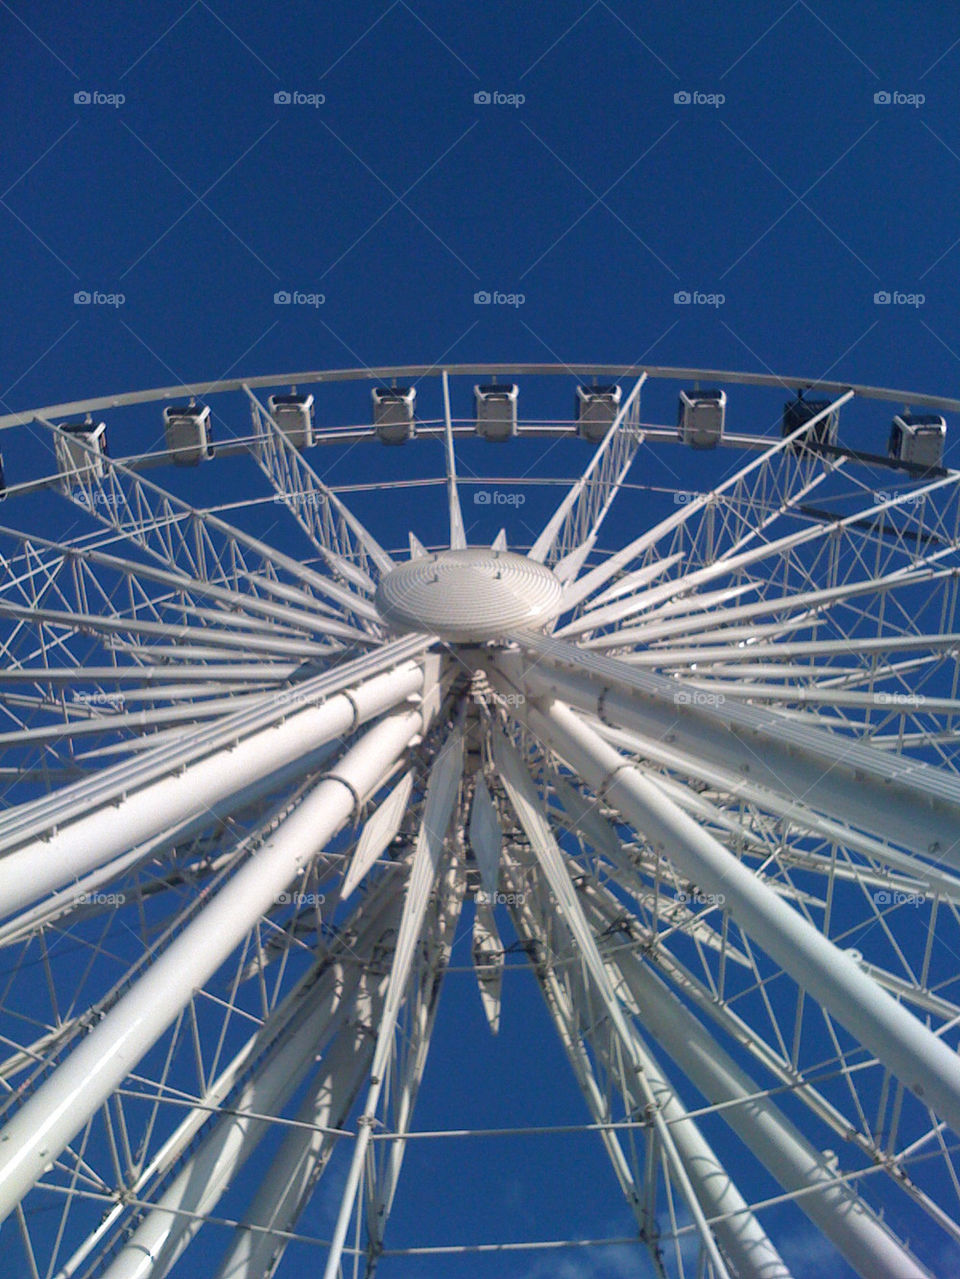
point(598, 198)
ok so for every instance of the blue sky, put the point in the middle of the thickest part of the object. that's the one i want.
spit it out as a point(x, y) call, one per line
point(782, 196)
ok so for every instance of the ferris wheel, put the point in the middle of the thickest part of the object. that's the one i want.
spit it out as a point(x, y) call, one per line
point(686, 751)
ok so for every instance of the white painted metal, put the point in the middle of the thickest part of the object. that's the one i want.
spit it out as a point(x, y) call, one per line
point(919, 1058)
point(40, 1130)
point(488, 963)
point(833, 1205)
point(688, 1166)
point(307, 1148)
point(40, 866)
point(590, 497)
point(485, 836)
point(806, 801)
point(154, 1247)
point(442, 791)
point(468, 595)
point(378, 831)
point(458, 538)
point(830, 773)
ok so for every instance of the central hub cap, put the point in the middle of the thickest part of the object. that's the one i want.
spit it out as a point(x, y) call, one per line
point(471, 595)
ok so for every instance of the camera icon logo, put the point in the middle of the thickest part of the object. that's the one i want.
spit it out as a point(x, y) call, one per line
point(482, 99)
point(882, 298)
point(682, 298)
point(481, 498)
point(882, 99)
point(82, 298)
point(481, 298)
point(281, 298)
point(81, 97)
point(682, 98)
point(282, 98)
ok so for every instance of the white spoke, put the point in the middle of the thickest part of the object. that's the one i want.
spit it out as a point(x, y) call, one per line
point(685, 774)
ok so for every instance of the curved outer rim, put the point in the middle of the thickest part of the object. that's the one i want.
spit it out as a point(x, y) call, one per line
point(389, 373)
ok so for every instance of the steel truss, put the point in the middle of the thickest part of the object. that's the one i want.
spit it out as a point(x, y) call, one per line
point(711, 799)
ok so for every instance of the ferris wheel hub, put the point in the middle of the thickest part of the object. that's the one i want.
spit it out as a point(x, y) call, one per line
point(468, 595)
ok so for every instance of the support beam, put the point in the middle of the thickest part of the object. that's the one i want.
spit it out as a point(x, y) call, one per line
point(739, 1232)
point(423, 1004)
point(458, 538)
point(442, 792)
point(581, 513)
point(172, 1150)
point(304, 1155)
point(46, 864)
point(833, 1205)
point(328, 1011)
point(526, 804)
point(904, 800)
point(38, 817)
point(920, 1059)
point(48, 1121)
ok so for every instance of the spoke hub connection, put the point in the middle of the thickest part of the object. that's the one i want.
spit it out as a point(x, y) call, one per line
point(468, 595)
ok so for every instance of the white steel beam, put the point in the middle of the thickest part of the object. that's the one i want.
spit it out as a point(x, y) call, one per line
point(258, 1243)
point(410, 1065)
point(920, 1059)
point(327, 1010)
point(37, 817)
point(718, 619)
point(832, 1204)
point(97, 624)
point(458, 538)
point(526, 804)
point(741, 1235)
point(52, 1116)
point(334, 530)
point(581, 513)
point(442, 792)
point(369, 928)
point(907, 801)
point(41, 865)
point(730, 782)
point(379, 829)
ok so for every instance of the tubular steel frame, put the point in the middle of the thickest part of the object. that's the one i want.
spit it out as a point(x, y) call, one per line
point(714, 801)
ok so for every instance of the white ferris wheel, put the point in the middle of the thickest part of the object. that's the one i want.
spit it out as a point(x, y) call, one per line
point(268, 760)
